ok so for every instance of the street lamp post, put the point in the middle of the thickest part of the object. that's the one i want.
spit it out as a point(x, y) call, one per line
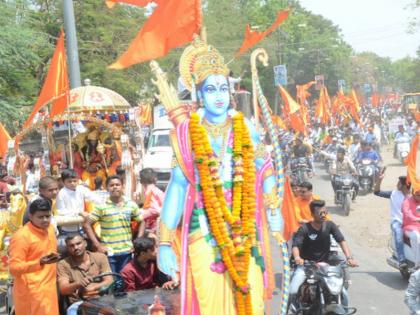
point(71, 44)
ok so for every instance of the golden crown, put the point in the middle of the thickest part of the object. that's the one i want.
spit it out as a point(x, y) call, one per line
point(200, 60)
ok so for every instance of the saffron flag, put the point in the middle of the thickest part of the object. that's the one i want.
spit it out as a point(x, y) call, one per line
point(289, 211)
point(356, 103)
point(411, 162)
point(172, 24)
point(292, 111)
point(56, 84)
point(302, 92)
point(322, 108)
point(142, 3)
point(375, 100)
point(4, 139)
point(254, 37)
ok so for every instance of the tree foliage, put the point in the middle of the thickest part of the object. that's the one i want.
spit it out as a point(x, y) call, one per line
point(306, 43)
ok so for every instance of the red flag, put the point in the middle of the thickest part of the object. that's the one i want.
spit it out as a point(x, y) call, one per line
point(4, 139)
point(56, 84)
point(254, 37)
point(142, 3)
point(172, 24)
point(411, 162)
point(289, 210)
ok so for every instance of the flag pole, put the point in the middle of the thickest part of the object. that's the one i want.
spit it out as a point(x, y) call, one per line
point(69, 129)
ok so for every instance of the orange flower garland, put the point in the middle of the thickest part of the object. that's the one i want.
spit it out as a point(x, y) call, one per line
point(235, 246)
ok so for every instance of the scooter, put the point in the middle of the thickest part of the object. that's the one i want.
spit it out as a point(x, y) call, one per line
point(402, 149)
point(409, 256)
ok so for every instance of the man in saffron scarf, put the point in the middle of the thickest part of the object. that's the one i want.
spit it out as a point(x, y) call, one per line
point(222, 172)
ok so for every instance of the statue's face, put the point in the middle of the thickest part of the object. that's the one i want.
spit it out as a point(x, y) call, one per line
point(215, 94)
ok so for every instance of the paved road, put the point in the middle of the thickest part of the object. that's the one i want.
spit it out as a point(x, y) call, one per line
point(376, 288)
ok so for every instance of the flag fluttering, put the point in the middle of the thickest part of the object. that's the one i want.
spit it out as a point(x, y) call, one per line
point(254, 37)
point(4, 140)
point(302, 92)
point(376, 100)
point(411, 162)
point(172, 24)
point(56, 84)
point(322, 110)
point(292, 111)
point(289, 210)
point(142, 3)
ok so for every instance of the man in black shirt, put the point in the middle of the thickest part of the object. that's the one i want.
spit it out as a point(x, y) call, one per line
point(312, 242)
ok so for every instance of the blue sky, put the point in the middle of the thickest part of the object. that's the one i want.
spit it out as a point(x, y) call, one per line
point(379, 26)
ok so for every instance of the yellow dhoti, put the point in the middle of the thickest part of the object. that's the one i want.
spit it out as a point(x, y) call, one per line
point(214, 291)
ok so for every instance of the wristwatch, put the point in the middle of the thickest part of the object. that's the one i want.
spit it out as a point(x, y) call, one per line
point(349, 257)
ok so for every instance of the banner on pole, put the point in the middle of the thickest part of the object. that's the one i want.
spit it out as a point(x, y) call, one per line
point(319, 79)
point(280, 75)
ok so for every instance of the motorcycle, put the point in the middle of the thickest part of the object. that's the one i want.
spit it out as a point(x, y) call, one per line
point(409, 256)
point(367, 171)
point(323, 291)
point(300, 169)
point(402, 148)
point(345, 192)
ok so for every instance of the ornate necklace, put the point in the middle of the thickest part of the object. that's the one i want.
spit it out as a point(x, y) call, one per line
point(216, 130)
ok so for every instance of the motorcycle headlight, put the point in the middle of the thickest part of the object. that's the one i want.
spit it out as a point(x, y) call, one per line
point(404, 154)
point(334, 284)
point(347, 181)
point(369, 172)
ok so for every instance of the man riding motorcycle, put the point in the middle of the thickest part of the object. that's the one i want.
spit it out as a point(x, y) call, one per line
point(312, 242)
point(368, 152)
point(342, 166)
point(301, 149)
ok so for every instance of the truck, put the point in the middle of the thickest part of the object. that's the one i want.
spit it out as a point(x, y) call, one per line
point(159, 153)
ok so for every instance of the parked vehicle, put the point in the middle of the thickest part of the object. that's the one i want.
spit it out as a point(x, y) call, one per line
point(323, 292)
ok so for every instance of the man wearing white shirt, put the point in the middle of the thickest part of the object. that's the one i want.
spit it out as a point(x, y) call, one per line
point(396, 199)
point(71, 201)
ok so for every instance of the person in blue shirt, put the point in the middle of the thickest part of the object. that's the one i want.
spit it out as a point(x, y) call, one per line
point(370, 136)
point(368, 153)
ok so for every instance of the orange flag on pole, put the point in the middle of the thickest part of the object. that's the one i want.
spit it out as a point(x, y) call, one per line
point(172, 24)
point(4, 140)
point(254, 37)
point(411, 162)
point(289, 210)
point(142, 3)
point(322, 108)
point(56, 84)
point(292, 111)
point(375, 100)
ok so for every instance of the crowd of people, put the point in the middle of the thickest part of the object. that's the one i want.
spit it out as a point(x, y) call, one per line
point(97, 232)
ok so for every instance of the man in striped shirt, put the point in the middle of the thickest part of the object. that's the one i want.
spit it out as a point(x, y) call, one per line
point(114, 218)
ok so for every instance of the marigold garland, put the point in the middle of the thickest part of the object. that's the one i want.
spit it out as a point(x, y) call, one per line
point(234, 231)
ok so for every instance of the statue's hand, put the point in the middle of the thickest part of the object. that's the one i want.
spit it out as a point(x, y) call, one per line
point(167, 261)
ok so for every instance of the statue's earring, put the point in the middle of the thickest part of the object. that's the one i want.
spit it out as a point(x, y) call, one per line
point(201, 103)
